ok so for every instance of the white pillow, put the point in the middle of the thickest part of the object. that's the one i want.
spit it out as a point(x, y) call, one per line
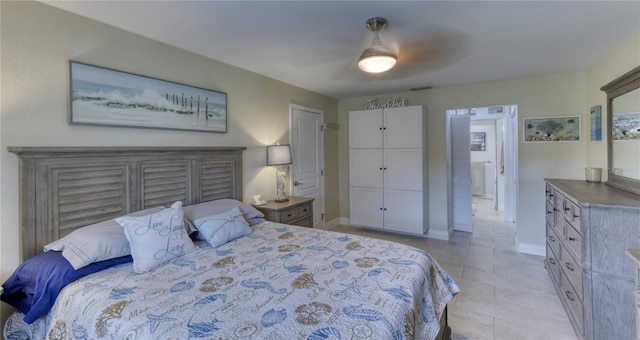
point(96, 242)
point(157, 238)
point(222, 228)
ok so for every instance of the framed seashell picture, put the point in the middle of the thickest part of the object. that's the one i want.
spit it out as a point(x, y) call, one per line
point(552, 129)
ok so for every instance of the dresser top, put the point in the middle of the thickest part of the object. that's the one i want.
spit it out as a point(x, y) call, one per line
point(588, 193)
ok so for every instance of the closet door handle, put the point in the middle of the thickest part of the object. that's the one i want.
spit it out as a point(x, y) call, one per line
point(568, 265)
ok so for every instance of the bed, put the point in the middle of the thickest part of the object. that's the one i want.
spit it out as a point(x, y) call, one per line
point(276, 281)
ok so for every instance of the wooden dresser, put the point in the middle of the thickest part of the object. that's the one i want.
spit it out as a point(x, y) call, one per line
point(589, 227)
point(297, 211)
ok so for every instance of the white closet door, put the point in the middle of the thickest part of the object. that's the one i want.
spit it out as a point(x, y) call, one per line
point(403, 127)
point(366, 168)
point(403, 169)
point(403, 211)
point(461, 172)
point(366, 207)
point(365, 129)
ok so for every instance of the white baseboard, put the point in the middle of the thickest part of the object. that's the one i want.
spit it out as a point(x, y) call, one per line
point(438, 234)
point(533, 249)
point(335, 222)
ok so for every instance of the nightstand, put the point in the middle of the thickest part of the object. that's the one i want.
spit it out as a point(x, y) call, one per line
point(297, 211)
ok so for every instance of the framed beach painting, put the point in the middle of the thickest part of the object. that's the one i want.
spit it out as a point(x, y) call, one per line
point(101, 96)
point(552, 129)
point(626, 126)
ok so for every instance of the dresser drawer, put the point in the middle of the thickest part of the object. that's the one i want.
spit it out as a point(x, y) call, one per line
point(550, 212)
point(573, 241)
point(573, 272)
point(552, 263)
point(549, 193)
point(571, 213)
point(553, 240)
point(576, 311)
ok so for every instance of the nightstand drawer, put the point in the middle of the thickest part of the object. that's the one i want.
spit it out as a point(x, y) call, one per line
point(305, 210)
point(288, 215)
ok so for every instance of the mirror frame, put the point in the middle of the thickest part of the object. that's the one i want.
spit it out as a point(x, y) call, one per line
point(619, 86)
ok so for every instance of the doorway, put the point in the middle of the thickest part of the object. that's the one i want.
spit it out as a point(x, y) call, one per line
point(481, 162)
point(307, 148)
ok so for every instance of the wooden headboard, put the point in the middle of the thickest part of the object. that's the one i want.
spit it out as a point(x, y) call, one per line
point(65, 188)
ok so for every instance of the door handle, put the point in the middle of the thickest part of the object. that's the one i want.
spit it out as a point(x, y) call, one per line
point(296, 183)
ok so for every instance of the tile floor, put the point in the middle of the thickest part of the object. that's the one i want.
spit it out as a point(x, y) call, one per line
point(505, 294)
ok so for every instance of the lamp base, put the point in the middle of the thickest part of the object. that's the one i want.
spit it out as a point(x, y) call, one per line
point(280, 200)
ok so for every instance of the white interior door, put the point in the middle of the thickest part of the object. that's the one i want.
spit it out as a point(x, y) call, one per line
point(307, 175)
point(461, 172)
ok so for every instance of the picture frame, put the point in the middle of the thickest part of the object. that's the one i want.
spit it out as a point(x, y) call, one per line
point(626, 126)
point(107, 97)
point(551, 129)
point(478, 141)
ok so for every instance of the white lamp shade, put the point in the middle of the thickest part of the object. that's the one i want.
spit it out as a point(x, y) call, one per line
point(278, 154)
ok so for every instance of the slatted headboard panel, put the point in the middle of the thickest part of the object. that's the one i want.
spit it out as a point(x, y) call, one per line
point(64, 188)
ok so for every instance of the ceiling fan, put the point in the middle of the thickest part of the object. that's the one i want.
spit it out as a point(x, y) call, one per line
point(415, 50)
point(377, 58)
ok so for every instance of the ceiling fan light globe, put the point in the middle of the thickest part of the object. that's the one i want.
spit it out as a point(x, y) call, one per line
point(377, 64)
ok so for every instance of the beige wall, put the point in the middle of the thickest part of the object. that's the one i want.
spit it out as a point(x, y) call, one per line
point(37, 43)
point(545, 96)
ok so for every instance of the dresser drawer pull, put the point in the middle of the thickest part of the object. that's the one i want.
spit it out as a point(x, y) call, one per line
point(550, 195)
point(572, 238)
point(567, 209)
point(289, 215)
point(552, 239)
point(553, 261)
point(549, 212)
point(305, 209)
point(575, 216)
point(568, 265)
point(568, 294)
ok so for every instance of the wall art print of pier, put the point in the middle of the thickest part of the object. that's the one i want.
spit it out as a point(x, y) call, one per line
point(101, 96)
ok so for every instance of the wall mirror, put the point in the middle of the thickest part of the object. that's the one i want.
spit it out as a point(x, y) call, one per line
point(623, 139)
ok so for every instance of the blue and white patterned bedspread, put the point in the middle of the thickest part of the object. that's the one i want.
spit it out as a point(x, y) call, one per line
point(280, 282)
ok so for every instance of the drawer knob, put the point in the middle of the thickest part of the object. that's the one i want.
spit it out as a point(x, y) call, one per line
point(575, 216)
point(572, 238)
point(568, 265)
point(549, 212)
point(288, 215)
point(553, 261)
point(567, 209)
point(551, 238)
point(550, 195)
point(568, 294)
point(305, 210)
